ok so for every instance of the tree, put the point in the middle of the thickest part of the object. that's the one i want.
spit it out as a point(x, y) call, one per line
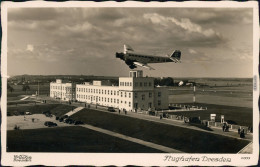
point(10, 88)
point(25, 88)
point(167, 82)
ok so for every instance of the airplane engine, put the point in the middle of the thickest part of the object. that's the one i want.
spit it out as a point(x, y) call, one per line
point(120, 55)
point(130, 64)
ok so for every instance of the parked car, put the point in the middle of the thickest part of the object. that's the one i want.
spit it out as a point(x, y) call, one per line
point(28, 113)
point(78, 123)
point(52, 124)
point(69, 121)
point(57, 118)
point(47, 123)
point(61, 119)
point(22, 113)
point(111, 109)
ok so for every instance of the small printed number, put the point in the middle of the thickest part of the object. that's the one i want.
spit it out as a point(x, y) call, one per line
point(245, 157)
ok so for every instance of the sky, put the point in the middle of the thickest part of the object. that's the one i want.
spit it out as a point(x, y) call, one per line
point(215, 42)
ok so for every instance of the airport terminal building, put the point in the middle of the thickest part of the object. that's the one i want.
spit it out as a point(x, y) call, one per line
point(133, 92)
point(63, 91)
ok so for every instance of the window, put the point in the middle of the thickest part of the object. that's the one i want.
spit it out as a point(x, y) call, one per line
point(99, 91)
point(159, 94)
point(117, 101)
point(114, 100)
point(121, 94)
point(150, 94)
point(136, 84)
point(143, 97)
point(145, 84)
point(141, 84)
point(102, 91)
point(125, 102)
point(125, 94)
point(129, 95)
point(135, 95)
point(121, 102)
point(105, 91)
point(130, 84)
point(107, 99)
point(111, 92)
point(108, 92)
point(117, 93)
point(114, 92)
point(159, 102)
point(129, 104)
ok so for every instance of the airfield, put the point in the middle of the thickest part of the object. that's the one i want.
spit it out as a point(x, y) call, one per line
point(112, 132)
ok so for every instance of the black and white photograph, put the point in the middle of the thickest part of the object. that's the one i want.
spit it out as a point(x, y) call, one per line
point(132, 83)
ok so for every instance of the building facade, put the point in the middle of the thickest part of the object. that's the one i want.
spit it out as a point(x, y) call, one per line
point(133, 93)
point(62, 91)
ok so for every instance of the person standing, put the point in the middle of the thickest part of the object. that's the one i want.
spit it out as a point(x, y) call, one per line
point(238, 130)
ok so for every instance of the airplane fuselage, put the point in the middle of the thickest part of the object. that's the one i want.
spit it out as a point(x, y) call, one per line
point(133, 59)
point(146, 58)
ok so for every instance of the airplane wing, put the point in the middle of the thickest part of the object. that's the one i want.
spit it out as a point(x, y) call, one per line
point(143, 65)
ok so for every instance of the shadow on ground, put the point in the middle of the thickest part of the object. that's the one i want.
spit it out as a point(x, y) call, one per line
point(201, 126)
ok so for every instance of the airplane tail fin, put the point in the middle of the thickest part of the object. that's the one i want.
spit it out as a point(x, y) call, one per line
point(127, 48)
point(176, 56)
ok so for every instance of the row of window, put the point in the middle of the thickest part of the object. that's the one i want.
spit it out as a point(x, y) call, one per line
point(125, 94)
point(60, 93)
point(125, 83)
point(150, 57)
point(102, 99)
point(62, 87)
point(137, 84)
point(98, 91)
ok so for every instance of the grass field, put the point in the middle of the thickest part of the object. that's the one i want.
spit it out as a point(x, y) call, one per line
point(183, 139)
point(227, 95)
point(70, 139)
point(44, 90)
point(235, 115)
point(61, 109)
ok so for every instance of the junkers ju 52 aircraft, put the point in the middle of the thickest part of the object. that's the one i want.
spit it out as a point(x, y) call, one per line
point(133, 59)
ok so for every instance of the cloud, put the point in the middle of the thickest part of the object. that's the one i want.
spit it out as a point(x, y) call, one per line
point(192, 51)
point(184, 23)
point(30, 47)
point(91, 36)
point(32, 14)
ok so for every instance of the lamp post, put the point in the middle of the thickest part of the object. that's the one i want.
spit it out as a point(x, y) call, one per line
point(194, 94)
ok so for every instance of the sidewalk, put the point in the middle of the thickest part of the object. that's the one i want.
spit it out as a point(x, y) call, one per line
point(131, 139)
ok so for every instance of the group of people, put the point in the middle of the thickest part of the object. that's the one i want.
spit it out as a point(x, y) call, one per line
point(241, 132)
point(124, 111)
point(225, 127)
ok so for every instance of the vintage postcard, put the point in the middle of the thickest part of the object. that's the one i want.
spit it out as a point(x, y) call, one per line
point(130, 83)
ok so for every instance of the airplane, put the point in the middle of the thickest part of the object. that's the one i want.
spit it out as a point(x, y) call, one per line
point(133, 59)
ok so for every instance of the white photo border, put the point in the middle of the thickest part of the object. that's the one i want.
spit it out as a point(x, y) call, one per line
point(122, 159)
